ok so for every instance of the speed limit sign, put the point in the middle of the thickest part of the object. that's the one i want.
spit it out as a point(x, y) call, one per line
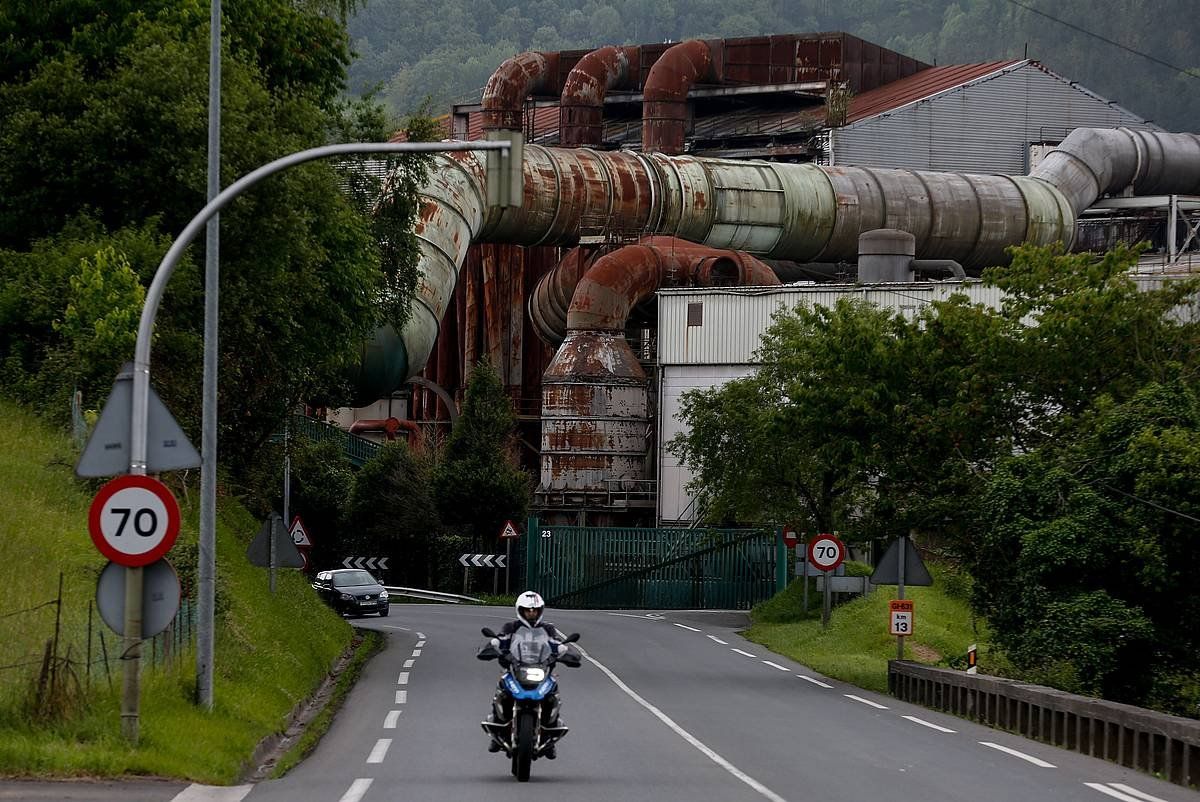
point(134, 520)
point(826, 552)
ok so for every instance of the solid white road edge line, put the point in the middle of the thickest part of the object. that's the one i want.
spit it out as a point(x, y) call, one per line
point(1104, 789)
point(1135, 792)
point(875, 705)
point(380, 751)
point(389, 723)
point(1037, 761)
point(718, 640)
point(685, 626)
point(776, 665)
point(401, 697)
point(814, 681)
point(409, 662)
point(212, 793)
point(403, 678)
point(739, 651)
point(357, 789)
point(684, 734)
point(928, 724)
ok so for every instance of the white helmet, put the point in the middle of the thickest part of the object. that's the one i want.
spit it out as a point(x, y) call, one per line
point(530, 608)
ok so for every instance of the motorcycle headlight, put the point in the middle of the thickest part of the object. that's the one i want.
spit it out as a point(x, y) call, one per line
point(383, 594)
point(533, 674)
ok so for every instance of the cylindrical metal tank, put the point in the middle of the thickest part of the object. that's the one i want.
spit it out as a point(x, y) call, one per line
point(885, 255)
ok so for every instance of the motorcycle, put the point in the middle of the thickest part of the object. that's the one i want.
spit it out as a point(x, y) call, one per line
point(530, 661)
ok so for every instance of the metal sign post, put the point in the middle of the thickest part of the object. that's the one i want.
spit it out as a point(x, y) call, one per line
point(900, 594)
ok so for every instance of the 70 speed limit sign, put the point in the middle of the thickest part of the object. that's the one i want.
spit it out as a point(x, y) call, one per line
point(134, 520)
point(826, 552)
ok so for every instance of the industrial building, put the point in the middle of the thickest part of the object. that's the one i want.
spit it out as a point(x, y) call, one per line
point(724, 163)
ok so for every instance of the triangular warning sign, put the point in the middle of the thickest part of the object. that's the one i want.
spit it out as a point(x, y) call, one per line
point(888, 570)
point(286, 555)
point(509, 530)
point(299, 534)
point(107, 450)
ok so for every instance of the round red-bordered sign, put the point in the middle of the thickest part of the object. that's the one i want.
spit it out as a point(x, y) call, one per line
point(826, 552)
point(790, 539)
point(134, 520)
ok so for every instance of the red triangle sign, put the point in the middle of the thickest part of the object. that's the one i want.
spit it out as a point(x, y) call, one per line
point(509, 530)
point(300, 534)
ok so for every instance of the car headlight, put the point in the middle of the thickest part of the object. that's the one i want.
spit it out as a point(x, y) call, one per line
point(346, 597)
point(383, 595)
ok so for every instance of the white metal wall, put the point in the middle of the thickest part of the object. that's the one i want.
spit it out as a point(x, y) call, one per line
point(733, 320)
point(984, 126)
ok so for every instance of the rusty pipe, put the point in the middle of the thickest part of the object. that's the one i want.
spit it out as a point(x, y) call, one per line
point(581, 109)
point(388, 427)
point(664, 103)
point(551, 298)
point(513, 81)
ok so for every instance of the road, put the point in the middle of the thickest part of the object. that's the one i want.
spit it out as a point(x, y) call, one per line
point(671, 706)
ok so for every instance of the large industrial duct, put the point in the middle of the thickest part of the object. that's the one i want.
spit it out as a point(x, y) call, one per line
point(595, 400)
point(581, 110)
point(512, 82)
point(664, 103)
point(796, 212)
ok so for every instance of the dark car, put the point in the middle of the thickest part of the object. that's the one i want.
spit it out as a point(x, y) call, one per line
point(351, 591)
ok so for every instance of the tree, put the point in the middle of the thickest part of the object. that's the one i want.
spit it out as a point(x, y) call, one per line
point(478, 483)
point(391, 513)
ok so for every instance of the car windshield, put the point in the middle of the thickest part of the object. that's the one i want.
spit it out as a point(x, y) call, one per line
point(530, 647)
point(352, 578)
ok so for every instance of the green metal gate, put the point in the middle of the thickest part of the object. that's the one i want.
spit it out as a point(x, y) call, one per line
point(587, 567)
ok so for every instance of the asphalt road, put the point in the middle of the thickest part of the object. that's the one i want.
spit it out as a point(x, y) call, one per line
point(672, 707)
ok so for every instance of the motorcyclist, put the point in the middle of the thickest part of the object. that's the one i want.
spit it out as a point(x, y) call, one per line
point(530, 610)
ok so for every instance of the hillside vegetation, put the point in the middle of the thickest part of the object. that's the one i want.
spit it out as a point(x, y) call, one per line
point(271, 650)
point(447, 50)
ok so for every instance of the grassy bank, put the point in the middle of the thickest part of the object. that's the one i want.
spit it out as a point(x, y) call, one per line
point(271, 650)
point(857, 646)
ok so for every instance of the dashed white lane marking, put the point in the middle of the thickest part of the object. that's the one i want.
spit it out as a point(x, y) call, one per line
point(403, 679)
point(718, 640)
point(739, 651)
point(685, 626)
point(814, 681)
point(420, 643)
point(212, 793)
point(380, 751)
point(1130, 792)
point(1037, 761)
point(401, 697)
point(409, 663)
point(357, 789)
point(389, 723)
point(421, 635)
point(776, 665)
point(928, 724)
point(875, 705)
point(685, 735)
point(416, 653)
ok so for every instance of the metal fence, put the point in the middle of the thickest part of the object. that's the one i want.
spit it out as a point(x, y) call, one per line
point(619, 567)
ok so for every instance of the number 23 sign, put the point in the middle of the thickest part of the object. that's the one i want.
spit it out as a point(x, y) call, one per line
point(134, 520)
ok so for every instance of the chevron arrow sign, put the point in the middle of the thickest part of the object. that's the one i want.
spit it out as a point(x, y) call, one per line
point(482, 560)
point(369, 563)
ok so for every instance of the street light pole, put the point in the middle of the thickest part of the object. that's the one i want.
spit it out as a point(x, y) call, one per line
point(140, 400)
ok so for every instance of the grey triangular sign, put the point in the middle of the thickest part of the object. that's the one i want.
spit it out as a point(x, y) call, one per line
point(286, 553)
point(107, 450)
point(888, 570)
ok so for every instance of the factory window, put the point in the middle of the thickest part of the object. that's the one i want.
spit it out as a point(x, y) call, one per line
point(695, 314)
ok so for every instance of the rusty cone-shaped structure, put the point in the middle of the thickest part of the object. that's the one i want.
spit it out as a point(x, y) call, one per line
point(595, 400)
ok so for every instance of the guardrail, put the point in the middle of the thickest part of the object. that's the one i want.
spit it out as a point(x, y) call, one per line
point(1134, 737)
point(431, 595)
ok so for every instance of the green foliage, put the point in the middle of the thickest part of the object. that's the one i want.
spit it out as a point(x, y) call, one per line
point(478, 484)
point(391, 512)
point(450, 49)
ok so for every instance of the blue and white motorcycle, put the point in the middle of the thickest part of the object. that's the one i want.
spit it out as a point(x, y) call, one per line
point(529, 699)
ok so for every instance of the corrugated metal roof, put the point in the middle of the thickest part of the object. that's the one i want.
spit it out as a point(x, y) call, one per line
point(919, 86)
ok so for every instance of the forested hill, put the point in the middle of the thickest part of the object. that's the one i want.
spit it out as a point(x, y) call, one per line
point(446, 49)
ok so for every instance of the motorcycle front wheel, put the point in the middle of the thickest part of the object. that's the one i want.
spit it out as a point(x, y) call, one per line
point(523, 754)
